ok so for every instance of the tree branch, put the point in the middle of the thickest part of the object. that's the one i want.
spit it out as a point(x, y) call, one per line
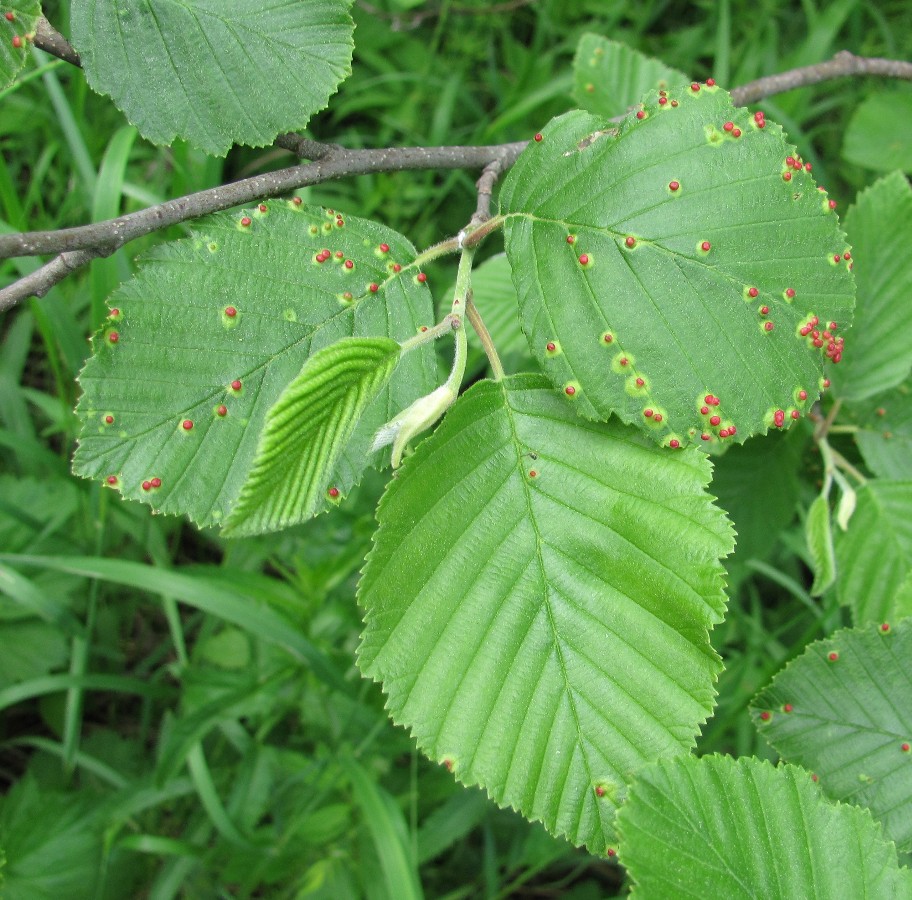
point(48, 38)
point(74, 247)
point(841, 65)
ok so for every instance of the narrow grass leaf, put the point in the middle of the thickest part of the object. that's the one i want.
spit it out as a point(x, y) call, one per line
point(216, 599)
point(386, 825)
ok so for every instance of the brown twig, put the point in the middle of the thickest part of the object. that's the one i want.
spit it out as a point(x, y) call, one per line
point(485, 185)
point(48, 38)
point(74, 247)
point(841, 65)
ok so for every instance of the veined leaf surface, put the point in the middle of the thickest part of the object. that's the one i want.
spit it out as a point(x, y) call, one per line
point(539, 599)
point(879, 227)
point(673, 258)
point(609, 77)
point(884, 434)
point(209, 333)
point(212, 72)
point(25, 17)
point(739, 828)
point(306, 433)
point(843, 709)
point(874, 555)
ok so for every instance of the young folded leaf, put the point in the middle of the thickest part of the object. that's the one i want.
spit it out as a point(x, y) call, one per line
point(305, 433)
point(819, 533)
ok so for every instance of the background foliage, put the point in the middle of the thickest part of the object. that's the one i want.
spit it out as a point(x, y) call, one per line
point(182, 714)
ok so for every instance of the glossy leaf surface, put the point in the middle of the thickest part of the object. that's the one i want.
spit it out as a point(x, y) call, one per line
point(666, 260)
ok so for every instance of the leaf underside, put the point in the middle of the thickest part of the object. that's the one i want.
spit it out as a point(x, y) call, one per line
point(874, 556)
point(306, 432)
point(848, 719)
point(879, 227)
point(179, 357)
point(215, 73)
point(739, 828)
point(538, 602)
point(648, 331)
point(25, 19)
point(609, 77)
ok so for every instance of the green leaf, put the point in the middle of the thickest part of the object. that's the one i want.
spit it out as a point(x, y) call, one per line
point(530, 620)
point(25, 20)
point(648, 331)
point(214, 73)
point(53, 841)
point(843, 709)
point(306, 433)
point(180, 356)
point(733, 828)
point(818, 530)
point(610, 77)
point(757, 484)
point(879, 134)
point(884, 434)
point(874, 556)
point(879, 227)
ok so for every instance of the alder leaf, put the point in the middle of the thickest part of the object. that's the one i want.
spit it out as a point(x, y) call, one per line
point(879, 227)
point(202, 342)
point(818, 531)
point(884, 434)
point(212, 72)
point(740, 828)
point(843, 709)
point(758, 485)
point(874, 555)
point(610, 77)
point(538, 602)
point(652, 258)
point(306, 433)
point(15, 35)
point(879, 134)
